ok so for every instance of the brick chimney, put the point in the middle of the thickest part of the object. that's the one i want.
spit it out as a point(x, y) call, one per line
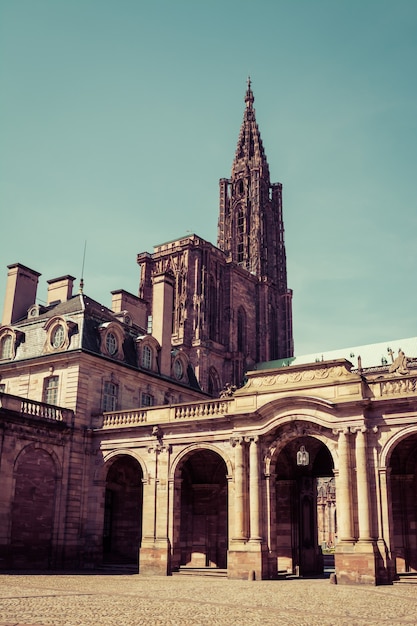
point(136, 307)
point(162, 303)
point(21, 287)
point(60, 289)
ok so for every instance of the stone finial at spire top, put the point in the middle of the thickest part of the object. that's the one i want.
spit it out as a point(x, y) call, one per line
point(249, 98)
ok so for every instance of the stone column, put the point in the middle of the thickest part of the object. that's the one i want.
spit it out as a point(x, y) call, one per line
point(343, 485)
point(386, 524)
point(254, 476)
point(155, 552)
point(239, 489)
point(362, 485)
point(162, 492)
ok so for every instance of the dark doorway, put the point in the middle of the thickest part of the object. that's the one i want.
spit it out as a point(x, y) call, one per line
point(202, 537)
point(404, 504)
point(298, 468)
point(122, 532)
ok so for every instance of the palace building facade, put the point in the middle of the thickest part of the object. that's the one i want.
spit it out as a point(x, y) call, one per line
point(176, 430)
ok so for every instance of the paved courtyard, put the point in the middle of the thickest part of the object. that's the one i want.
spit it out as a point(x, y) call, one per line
point(123, 600)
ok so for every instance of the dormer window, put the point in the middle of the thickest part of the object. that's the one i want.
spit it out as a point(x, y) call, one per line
point(58, 336)
point(10, 339)
point(59, 332)
point(147, 357)
point(6, 347)
point(178, 369)
point(111, 340)
point(111, 344)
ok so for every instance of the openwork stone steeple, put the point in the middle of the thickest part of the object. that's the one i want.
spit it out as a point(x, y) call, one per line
point(250, 229)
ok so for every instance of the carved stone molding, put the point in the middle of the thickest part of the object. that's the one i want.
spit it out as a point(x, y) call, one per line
point(298, 376)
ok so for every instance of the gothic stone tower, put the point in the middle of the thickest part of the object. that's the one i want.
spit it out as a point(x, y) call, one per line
point(231, 305)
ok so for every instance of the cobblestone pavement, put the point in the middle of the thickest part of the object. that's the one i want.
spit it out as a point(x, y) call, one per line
point(123, 600)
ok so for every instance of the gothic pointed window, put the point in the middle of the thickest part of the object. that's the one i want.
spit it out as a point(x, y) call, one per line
point(213, 309)
point(241, 331)
point(273, 334)
point(240, 236)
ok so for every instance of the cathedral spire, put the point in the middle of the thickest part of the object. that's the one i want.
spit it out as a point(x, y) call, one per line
point(251, 230)
point(249, 149)
point(249, 94)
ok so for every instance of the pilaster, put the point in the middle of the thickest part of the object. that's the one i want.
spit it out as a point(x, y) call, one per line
point(155, 551)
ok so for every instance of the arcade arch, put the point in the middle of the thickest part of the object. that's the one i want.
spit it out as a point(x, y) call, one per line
point(33, 509)
point(200, 533)
point(403, 492)
point(123, 506)
point(296, 472)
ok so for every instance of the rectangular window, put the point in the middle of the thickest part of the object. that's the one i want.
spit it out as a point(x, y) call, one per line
point(2, 388)
point(110, 394)
point(149, 327)
point(147, 399)
point(50, 390)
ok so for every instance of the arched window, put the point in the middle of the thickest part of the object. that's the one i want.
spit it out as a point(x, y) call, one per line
point(6, 347)
point(111, 344)
point(241, 331)
point(147, 357)
point(213, 383)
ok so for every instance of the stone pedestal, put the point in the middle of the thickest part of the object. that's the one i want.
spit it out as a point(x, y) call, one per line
point(155, 558)
point(247, 560)
point(361, 563)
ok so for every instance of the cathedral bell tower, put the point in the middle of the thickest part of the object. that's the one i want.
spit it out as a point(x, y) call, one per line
point(251, 234)
point(230, 305)
point(250, 228)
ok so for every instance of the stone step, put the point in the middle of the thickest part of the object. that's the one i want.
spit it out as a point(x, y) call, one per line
point(201, 571)
point(117, 568)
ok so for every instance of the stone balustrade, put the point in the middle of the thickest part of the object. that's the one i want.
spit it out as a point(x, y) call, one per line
point(31, 408)
point(196, 410)
point(124, 418)
point(213, 408)
point(398, 386)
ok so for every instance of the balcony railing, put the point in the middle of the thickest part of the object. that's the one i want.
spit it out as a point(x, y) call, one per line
point(165, 413)
point(32, 408)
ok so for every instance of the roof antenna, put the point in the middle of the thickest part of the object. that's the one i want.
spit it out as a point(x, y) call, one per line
point(82, 270)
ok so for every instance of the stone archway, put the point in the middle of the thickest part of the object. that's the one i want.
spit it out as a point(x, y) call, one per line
point(200, 511)
point(122, 529)
point(299, 466)
point(33, 510)
point(403, 478)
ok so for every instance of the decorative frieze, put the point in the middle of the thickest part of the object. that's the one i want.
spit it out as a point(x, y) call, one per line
point(298, 376)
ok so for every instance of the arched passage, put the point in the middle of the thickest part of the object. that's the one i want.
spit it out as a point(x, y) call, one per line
point(403, 464)
point(298, 468)
point(200, 511)
point(122, 530)
point(33, 510)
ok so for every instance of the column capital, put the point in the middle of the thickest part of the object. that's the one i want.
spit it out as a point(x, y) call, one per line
point(359, 429)
point(159, 448)
point(238, 439)
point(345, 430)
point(251, 438)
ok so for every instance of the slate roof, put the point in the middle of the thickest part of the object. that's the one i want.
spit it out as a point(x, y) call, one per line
point(372, 355)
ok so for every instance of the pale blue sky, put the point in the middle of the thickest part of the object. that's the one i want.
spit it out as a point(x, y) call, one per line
point(117, 119)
